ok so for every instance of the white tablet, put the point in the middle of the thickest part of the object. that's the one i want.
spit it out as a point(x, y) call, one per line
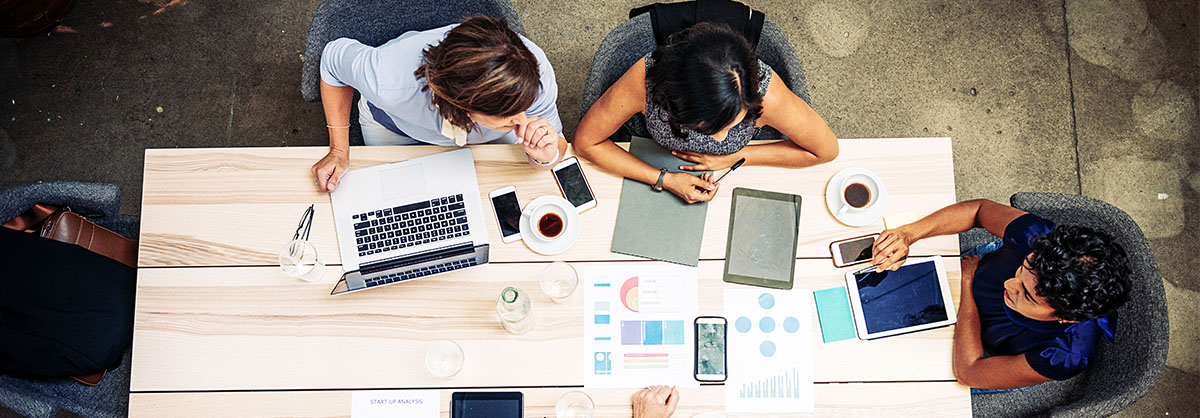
point(913, 298)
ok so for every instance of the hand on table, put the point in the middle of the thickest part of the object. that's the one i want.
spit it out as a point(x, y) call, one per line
point(329, 170)
point(538, 138)
point(655, 402)
point(690, 188)
point(706, 162)
point(890, 249)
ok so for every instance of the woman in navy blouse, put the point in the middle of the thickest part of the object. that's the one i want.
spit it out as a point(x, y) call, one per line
point(1031, 310)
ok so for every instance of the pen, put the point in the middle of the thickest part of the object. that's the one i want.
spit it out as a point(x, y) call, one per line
point(868, 269)
point(731, 168)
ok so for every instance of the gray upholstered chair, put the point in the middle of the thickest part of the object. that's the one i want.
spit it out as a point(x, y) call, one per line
point(374, 22)
point(1119, 373)
point(634, 38)
point(45, 397)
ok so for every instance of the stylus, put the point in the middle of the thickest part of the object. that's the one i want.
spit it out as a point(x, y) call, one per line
point(868, 269)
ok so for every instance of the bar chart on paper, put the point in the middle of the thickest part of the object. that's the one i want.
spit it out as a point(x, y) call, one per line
point(786, 385)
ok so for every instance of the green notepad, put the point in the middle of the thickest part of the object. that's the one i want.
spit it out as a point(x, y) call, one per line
point(658, 225)
point(833, 310)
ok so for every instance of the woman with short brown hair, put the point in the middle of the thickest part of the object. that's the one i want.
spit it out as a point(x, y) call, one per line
point(470, 83)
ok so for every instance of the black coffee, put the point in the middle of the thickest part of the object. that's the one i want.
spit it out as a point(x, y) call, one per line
point(858, 195)
point(550, 225)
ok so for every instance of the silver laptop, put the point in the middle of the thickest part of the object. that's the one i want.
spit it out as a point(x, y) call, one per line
point(402, 221)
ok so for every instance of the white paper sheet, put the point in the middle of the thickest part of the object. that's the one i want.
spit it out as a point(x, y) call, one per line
point(769, 351)
point(394, 403)
point(638, 324)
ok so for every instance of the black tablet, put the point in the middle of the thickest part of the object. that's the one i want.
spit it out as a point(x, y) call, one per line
point(487, 405)
point(764, 228)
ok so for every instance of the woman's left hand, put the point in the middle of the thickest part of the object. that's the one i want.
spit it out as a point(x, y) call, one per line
point(538, 138)
point(706, 162)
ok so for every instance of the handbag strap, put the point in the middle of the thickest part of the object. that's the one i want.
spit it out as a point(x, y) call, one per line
point(32, 219)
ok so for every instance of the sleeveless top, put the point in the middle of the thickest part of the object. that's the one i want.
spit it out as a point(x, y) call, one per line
point(738, 137)
point(1056, 351)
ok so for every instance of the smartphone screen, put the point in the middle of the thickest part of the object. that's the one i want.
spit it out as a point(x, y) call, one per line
point(857, 250)
point(508, 213)
point(575, 188)
point(710, 349)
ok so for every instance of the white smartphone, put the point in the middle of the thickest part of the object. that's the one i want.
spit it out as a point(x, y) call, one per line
point(508, 212)
point(851, 251)
point(710, 349)
point(574, 186)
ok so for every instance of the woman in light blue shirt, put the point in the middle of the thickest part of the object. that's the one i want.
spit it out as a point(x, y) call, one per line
point(470, 83)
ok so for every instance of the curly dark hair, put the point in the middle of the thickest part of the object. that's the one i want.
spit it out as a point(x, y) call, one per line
point(703, 77)
point(1081, 272)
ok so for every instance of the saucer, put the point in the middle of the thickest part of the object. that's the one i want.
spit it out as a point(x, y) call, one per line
point(536, 242)
point(833, 200)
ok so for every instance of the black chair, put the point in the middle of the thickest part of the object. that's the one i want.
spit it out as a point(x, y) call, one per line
point(45, 397)
point(374, 22)
point(1118, 373)
point(633, 39)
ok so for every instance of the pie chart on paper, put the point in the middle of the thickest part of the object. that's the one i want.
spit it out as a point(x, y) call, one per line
point(629, 294)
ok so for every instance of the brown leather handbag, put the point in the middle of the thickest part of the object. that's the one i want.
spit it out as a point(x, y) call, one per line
point(65, 226)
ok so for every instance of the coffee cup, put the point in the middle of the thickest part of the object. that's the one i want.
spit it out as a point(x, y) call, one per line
point(858, 192)
point(548, 222)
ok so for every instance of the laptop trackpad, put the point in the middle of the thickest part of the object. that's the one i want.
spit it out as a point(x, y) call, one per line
point(402, 182)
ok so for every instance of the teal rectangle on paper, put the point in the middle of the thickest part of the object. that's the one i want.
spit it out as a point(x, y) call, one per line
point(833, 311)
point(602, 285)
point(601, 307)
point(653, 332)
point(601, 319)
point(673, 332)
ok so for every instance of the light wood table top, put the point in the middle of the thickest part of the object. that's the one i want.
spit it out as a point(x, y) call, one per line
point(238, 206)
point(219, 329)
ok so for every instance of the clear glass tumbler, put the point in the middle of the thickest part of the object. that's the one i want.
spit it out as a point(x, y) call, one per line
point(299, 259)
point(444, 359)
point(559, 281)
point(574, 404)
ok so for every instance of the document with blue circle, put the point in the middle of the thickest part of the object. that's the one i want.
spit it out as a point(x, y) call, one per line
point(770, 351)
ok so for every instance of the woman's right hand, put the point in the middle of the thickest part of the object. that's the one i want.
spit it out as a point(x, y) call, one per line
point(690, 188)
point(890, 248)
point(329, 170)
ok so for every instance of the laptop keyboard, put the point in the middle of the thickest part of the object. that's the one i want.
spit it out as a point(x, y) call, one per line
point(421, 272)
point(410, 225)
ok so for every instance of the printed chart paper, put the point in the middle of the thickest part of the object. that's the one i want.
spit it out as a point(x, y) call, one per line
point(638, 324)
point(394, 403)
point(770, 351)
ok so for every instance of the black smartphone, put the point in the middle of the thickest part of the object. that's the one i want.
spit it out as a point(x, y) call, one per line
point(710, 349)
point(851, 251)
point(574, 186)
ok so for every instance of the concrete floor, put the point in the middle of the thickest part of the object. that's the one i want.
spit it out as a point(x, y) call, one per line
point(1076, 96)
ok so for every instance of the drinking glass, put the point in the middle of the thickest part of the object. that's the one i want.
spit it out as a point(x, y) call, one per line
point(299, 259)
point(559, 281)
point(574, 404)
point(444, 359)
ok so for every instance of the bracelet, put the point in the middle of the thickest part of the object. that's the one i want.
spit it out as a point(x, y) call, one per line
point(552, 160)
point(337, 127)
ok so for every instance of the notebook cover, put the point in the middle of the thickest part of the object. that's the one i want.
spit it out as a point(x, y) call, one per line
point(833, 311)
point(658, 225)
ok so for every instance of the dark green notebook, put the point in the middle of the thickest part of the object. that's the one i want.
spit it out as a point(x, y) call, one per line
point(658, 225)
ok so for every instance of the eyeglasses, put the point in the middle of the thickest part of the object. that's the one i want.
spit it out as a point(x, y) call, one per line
point(305, 226)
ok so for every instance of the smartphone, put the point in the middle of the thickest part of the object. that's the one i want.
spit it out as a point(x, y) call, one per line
point(508, 212)
point(851, 251)
point(574, 186)
point(710, 349)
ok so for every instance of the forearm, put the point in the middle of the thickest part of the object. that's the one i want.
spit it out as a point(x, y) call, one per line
point(952, 219)
point(614, 159)
point(336, 102)
point(968, 343)
point(783, 154)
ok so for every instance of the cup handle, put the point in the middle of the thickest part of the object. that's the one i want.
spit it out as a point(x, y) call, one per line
point(843, 210)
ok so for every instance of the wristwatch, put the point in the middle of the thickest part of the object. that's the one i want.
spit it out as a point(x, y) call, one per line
point(658, 186)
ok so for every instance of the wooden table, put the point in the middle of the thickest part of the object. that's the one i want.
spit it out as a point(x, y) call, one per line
point(219, 329)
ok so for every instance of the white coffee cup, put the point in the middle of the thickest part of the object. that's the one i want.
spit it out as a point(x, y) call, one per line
point(555, 222)
point(858, 193)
